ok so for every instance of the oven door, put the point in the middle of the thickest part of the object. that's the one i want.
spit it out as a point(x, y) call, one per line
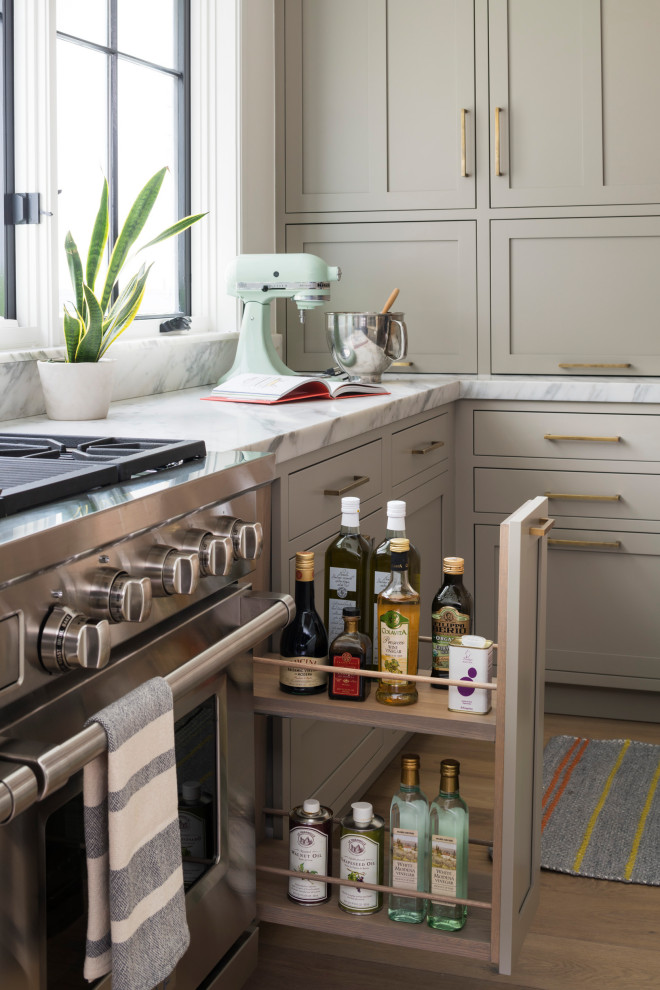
point(206, 657)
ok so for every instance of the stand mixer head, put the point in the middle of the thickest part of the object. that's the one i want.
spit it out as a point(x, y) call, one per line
point(258, 279)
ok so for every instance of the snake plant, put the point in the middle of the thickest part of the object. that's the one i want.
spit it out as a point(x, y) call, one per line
point(98, 318)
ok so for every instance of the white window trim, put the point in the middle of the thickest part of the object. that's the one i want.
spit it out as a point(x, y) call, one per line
point(214, 172)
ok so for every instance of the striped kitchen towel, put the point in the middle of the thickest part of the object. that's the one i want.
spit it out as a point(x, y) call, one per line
point(136, 924)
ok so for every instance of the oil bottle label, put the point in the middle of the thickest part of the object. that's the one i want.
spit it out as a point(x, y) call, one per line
point(448, 623)
point(308, 854)
point(359, 861)
point(443, 865)
point(303, 674)
point(394, 629)
point(342, 580)
point(346, 684)
point(405, 855)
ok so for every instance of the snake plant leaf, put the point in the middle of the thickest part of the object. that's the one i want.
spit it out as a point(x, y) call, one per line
point(73, 326)
point(133, 225)
point(176, 228)
point(129, 309)
point(99, 239)
point(75, 269)
point(123, 305)
point(90, 342)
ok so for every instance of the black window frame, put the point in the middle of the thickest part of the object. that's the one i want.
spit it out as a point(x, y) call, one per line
point(182, 74)
point(7, 158)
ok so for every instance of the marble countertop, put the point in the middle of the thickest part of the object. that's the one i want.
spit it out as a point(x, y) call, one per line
point(297, 428)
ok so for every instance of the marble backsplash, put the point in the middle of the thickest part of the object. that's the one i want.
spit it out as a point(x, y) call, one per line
point(144, 367)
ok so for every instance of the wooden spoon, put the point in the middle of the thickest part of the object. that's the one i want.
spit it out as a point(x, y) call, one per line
point(390, 301)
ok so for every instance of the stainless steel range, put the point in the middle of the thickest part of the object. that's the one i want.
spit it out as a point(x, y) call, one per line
point(155, 562)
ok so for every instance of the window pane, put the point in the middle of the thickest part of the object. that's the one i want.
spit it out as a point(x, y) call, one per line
point(86, 19)
point(147, 29)
point(147, 141)
point(81, 145)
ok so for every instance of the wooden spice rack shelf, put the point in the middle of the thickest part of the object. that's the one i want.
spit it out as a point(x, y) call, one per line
point(429, 714)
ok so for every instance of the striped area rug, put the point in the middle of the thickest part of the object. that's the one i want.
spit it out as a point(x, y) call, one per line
point(601, 809)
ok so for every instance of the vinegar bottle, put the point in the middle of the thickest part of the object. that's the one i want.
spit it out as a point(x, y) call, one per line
point(409, 824)
point(304, 641)
point(448, 829)
point(451, 614)
point(346, 569)
point(398, 631)
point(380, 567)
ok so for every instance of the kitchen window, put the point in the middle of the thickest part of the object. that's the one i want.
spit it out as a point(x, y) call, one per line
point(107, 88)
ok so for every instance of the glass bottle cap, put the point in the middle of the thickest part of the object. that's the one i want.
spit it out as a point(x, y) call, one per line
point(362, 811)
point(311, 806)
point(399, 544)
point(453, 565)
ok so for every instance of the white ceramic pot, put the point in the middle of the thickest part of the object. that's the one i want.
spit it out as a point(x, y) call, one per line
point(77, 391)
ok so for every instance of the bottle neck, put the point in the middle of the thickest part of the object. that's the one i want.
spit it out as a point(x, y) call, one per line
point(351, 626)
point(304, 595)
point(410, 778)
point(350, 522)
point(396, 526)
point(454, 579)
point(448, 784)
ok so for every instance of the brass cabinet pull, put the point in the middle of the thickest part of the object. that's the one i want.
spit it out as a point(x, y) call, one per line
point(543, 528)
point(427, 450)
point(402, 364)
point(583, 498)
point(560, 436)
point(355, 483)
point(463, 152)
point(613, 545)
point(497, 141)
point(628, 365)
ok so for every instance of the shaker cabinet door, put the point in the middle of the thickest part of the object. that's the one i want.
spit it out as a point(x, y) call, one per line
point(433, 263)
point(573, 88)
point(379, 98)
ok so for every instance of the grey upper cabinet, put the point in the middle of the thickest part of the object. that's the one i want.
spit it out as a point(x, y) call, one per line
point(379, 105)
point(574, 87)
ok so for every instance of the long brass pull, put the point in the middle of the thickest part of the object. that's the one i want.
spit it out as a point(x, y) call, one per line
point(613, 545)
point(497, 141)
point(463, 152)
point(561, 436)
point(427, 450)
point(627, 365)
point(355, 483)
point(583, 498)
point(402, 364)
point(544, 527)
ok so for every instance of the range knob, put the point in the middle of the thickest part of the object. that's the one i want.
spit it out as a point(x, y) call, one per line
point(216, 553)
point(70, 639)
point(120, 597)
point(247, 537)
point(172, 572)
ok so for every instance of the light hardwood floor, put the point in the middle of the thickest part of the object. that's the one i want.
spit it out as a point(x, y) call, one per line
point(592, 934)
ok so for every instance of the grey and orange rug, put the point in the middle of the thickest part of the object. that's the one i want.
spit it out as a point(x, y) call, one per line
point(601, 809)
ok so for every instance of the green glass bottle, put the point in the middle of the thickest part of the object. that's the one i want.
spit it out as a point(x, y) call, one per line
point(380, 567)
point(409, 824)
point(346, 570)
point(451, 614)
point(448, 827)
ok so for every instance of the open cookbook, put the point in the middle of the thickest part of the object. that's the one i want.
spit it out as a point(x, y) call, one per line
point(270, 389)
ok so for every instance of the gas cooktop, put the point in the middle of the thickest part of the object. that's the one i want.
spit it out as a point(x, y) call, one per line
point(37, 469)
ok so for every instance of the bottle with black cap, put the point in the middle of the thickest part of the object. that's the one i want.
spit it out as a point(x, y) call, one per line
point(349, 651)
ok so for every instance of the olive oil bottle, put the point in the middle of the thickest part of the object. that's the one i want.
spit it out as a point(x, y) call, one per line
point(398, 631)
point(361, 857)
point(346, 569)
point(451, 614)
point(380, 568)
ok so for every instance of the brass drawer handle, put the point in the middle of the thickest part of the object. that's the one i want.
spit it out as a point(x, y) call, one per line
point(463, 153)
point(559, 436)
point(583, 498)
point(498, 170)
point(613, 545)
point(543, 528)
point(355, 483)
point(427, 450)
point(628, 365)
point(402, 364)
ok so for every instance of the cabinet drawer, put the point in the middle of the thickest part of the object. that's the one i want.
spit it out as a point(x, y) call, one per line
point(584, 436)
point(420, 447)
point(358, 472)
point(596, 494)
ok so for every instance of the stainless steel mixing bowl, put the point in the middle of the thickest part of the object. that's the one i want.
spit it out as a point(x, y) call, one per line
point(364, 345)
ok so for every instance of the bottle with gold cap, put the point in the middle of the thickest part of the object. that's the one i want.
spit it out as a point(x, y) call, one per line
point(448, 827)
point(409, 822)
point(451, 614)
point(304, 641)
point(398, 630)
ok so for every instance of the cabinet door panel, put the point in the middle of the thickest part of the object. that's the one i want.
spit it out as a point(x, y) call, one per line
point(433, 264)
point(598, 280)
point(373, 94)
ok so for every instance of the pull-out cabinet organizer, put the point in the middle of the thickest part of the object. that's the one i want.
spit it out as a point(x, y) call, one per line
point(507, 899)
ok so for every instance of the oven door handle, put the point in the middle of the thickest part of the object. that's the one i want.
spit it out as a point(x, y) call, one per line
point(35, 776)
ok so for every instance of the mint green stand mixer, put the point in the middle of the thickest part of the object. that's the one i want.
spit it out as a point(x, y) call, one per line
point(258, 279)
